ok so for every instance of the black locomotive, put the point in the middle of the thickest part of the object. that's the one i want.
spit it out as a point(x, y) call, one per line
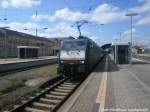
point(78, 56)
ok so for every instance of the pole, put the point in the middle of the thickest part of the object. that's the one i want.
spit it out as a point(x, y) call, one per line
point(120, 37)
point(131, 32)
point(131, 17)
point(36, 14)
point(120, 34)
point(36, 32)
point(79, 30)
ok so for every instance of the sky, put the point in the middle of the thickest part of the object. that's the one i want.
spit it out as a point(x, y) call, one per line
point(59, 15)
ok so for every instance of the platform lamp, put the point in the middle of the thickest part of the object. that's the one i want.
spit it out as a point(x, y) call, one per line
point(44, 28)
point(25, 29)
point(131, 14)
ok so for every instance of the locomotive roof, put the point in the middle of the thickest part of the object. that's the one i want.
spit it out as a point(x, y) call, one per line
point(81, 38)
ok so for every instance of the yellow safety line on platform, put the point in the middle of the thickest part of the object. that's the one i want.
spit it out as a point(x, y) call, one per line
point(102, 92)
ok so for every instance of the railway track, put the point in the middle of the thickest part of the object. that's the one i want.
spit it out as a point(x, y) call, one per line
point(54, 94)
point(50, 98)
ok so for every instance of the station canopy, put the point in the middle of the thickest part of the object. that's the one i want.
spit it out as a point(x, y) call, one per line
point(28, 51)
point(106, 46)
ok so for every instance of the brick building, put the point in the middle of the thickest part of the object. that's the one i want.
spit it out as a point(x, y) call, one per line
point(10, 40)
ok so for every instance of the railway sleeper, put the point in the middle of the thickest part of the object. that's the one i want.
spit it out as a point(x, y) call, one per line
point(49, 101)
point(71, 84)
point(42, 106)
point(68, 83)
point(65, 85)
point(54, 96)
point(31, 97)
point(47, 88)
point(62, 90)
point(58, 93)
point(42, 91)
point(15, 106)
point(66, 88)
point(24, 101)
point(30, 109)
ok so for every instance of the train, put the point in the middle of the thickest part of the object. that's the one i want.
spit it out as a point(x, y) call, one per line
point(78, 56)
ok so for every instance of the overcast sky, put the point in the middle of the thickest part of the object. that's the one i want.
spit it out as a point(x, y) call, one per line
point(59, 15)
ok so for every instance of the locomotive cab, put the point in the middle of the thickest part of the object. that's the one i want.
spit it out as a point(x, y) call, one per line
point(72, 58)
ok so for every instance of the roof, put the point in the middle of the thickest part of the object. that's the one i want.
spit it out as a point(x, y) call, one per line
point(12, 32)
point(28, 47)
point(120, 44)
point(105, 46)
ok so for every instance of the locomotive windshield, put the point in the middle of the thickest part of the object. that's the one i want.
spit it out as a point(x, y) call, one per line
point(73, 45)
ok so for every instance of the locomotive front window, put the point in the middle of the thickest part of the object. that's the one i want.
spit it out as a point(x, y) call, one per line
point(73, 45)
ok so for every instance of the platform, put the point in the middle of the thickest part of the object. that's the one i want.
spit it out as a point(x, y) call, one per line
point(15, 63)
point(17, 60)
point(112, 88)
point(142, 56)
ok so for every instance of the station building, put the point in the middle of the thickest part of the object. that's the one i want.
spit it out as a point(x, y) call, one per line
point(12, 42)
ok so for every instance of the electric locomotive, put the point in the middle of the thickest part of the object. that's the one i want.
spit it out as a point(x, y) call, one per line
point(78, 56)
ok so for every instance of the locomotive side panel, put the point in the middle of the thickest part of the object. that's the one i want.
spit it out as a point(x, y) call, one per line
point(95, 54)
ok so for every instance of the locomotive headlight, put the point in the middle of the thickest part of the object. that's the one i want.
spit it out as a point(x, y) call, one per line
point(82, 62)
point(61, 61)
